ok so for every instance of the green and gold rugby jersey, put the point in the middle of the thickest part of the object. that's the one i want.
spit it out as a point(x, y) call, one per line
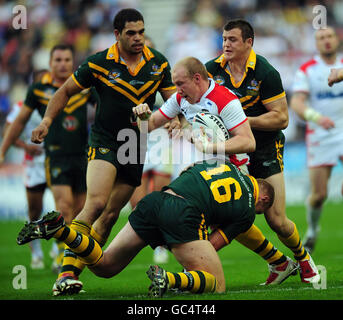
point(120, 89)
point(221, 192)
point(260, 84)
point(68, 133)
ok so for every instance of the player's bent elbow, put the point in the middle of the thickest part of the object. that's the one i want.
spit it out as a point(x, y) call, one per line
point(251, 145)
point(284, 120)
point(284, 124)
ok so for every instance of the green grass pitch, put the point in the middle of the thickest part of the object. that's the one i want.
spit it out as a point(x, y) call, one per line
point(244, 270)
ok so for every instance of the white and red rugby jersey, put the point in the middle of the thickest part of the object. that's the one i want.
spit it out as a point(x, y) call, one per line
point(217, 100)
point(33, 122)
point(312, 78)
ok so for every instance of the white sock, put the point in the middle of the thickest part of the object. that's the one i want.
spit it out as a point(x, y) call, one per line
point(313, 217)
point(36, 248)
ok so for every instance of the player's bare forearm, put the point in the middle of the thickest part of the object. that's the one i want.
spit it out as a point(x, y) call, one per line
point(269, 122)
point(11, 135)
point(299, 103)
point(235, 145)
point(275, 119)
point(59, 100)
point(241, 141)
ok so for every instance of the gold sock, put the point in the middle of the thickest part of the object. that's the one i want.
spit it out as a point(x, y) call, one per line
point(254, 240)
point(71, 263)
point(88, 251)
point(193, 281)
point(294, 243)
point(81, 227)
point(96, 236)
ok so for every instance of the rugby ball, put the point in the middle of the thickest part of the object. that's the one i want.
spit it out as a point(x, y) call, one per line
point(211, 125)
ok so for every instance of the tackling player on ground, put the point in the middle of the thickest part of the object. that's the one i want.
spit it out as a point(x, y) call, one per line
point(208, 193)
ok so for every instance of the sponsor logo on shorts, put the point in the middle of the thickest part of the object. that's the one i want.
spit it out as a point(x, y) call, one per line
point(55, 172)
point(268, 163)
point(104, 150)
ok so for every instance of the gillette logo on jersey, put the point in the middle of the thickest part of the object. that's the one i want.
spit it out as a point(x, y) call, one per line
point(70, 123)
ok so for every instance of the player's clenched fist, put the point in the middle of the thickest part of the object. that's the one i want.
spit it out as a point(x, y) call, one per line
point(39, 133)
point(336, 75)
point(142, 111)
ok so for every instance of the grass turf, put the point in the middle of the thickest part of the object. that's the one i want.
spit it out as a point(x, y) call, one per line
point(244, 270)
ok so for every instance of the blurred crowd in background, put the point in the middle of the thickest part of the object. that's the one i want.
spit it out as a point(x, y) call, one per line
point(284, 34)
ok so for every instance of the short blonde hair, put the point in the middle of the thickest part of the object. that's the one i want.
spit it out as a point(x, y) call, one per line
point(192, 66)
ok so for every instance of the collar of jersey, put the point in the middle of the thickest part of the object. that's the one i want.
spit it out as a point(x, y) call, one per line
point(255, 185)
point(251, 62)
point(113, 53)
point(210, 88)
point(47, 79)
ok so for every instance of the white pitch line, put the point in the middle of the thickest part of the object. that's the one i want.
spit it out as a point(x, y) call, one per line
point(273, 289)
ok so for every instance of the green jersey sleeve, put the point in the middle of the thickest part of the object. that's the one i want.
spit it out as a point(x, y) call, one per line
point(166, 82)
point(30, 99)
point(271, 87)
point(83, 76)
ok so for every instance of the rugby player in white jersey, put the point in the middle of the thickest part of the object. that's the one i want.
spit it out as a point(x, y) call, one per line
point(34, 176)
point(195, 93)
point(321, 106)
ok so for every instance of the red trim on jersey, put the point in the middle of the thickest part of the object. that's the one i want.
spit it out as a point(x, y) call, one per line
point(178, 99)
point(238, 124)
point(236, 162)
point(164, 114)
point(28, 157)
point(221, 96)
point(307, 64)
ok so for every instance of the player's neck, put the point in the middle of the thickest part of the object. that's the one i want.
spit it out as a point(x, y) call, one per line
point(329, 58)
point(57, 82)
point(237, 65)
point(203, 87)
point(130, 59)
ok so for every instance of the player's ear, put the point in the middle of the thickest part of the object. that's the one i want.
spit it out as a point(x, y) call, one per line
point(249, 41)
point(116, 34)
point(197, 77)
